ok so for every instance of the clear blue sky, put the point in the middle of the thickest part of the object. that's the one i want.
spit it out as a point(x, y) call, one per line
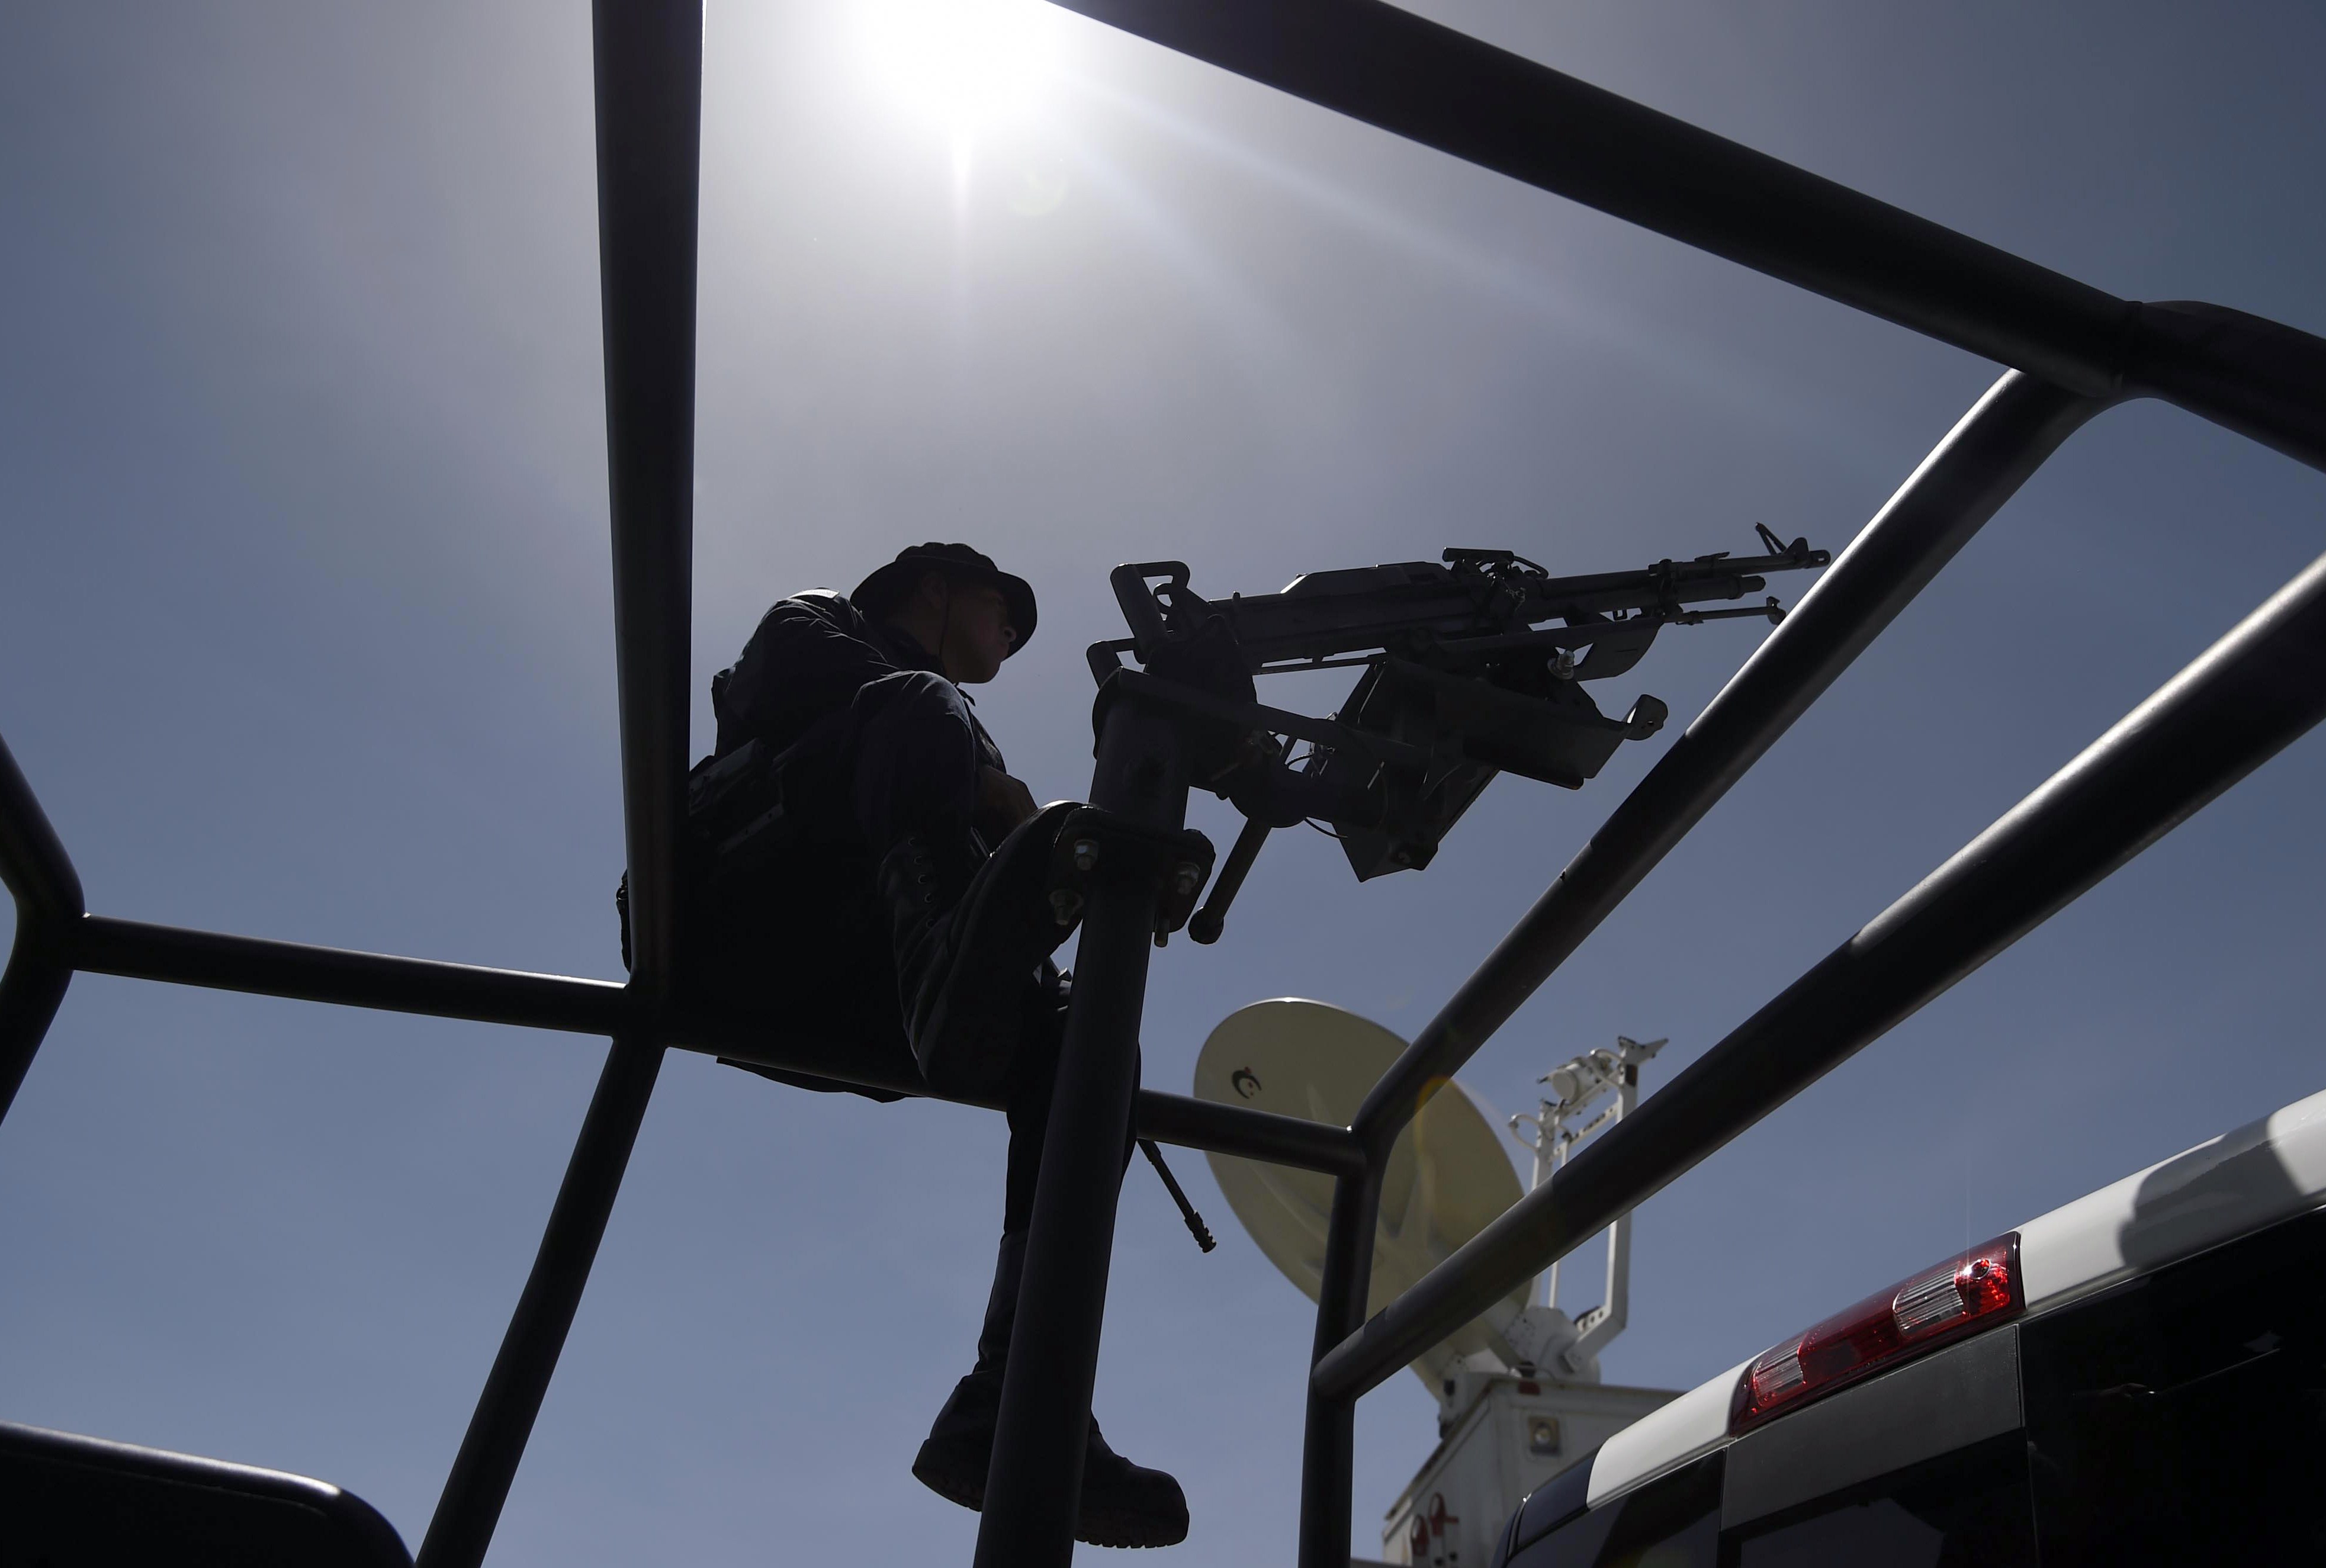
point(305, 631)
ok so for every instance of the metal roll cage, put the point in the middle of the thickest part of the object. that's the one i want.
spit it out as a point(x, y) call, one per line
point(2072, 352)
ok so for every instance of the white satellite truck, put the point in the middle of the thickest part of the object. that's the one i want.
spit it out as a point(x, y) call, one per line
point(2137, 1378)
point(1519, 1396)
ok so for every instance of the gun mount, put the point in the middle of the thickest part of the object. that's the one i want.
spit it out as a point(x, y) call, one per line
point(1465, 675)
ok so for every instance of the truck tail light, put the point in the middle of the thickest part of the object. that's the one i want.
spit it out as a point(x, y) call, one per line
point(1960, 1297)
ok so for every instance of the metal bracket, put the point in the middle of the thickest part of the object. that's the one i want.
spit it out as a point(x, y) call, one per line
point(1093, 843)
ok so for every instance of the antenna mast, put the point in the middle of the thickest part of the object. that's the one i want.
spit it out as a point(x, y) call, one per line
point(1576, 1086)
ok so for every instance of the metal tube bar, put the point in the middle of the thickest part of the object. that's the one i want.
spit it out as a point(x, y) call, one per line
point(1033, 1490)
point(1177, 1120)
point(647, 58)
point(296, 970)
point(1501, 111)
point(1255, 1135)
point(133, 949)
point(2261, 378)
point(40, 877)
point(1328, 1446)
point(34, 864)
point(649, 89)
point(1416, 78)
point(2244, 699)
point(32, 988)
point(462, 1526)
point(1981, 464)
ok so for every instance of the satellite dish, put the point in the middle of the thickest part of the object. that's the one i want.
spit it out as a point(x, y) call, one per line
point(1448, 1177)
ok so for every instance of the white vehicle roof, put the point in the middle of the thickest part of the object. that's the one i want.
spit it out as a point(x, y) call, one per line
point(2230, 1186)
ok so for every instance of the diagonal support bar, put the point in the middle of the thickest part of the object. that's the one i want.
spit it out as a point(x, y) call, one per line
point(1411, 77)
point(470, 1508)
point(40, 877)
point(34, 864)
point(32, 988)
point(2005, 438)
point(1415, 78)
point(2246, 698)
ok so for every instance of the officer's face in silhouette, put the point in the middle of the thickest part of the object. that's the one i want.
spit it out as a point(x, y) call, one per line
point(979, 635)
point(964, 625)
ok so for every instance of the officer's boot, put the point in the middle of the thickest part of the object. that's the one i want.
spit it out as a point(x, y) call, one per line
point(970, 929)
point(1123, 1504)
point(959, 1447)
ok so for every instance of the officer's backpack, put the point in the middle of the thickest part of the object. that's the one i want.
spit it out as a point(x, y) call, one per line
point(737, 826)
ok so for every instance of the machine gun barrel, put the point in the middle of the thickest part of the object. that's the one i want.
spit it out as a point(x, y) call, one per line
point(1667, 583)
point(1327, 614)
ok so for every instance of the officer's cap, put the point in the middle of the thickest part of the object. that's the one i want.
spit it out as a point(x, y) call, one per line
point(886, 589)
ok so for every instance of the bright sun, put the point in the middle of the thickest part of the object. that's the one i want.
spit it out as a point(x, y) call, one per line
point(963, 64)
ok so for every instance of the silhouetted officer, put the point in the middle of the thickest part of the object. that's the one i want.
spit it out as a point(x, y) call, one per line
point(910, 908)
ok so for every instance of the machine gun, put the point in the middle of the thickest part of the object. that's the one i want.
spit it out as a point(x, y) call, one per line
point(1462, 679)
